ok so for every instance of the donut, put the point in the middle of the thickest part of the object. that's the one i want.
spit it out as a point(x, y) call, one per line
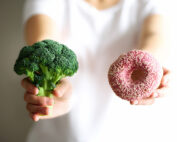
point(135, 75)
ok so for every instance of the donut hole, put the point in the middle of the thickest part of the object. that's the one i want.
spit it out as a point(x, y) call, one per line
point(138, 75)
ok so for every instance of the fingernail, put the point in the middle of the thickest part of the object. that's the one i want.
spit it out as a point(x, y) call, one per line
point(36, 91)
point(135, 102)
point(37, 118)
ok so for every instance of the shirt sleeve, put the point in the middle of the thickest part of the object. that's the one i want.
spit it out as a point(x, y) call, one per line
point(50, 8)
point(151, 7)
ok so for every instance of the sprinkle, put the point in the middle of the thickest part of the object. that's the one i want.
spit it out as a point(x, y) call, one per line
point(135, 75)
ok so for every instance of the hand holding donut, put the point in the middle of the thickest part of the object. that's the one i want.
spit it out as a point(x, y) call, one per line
point(159, 92)
point(138, 77)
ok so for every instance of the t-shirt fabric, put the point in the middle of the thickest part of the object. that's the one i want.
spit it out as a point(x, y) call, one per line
point(98, 37)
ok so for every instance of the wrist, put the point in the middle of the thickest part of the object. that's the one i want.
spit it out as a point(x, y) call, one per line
point(155, 52)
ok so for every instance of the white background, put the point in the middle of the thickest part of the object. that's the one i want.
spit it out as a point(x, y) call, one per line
point(156, 123)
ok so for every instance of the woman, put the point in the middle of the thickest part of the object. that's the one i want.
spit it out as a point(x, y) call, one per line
point(98, 32)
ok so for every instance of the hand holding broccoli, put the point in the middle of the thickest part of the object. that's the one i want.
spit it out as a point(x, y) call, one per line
point(37, 105)
point(45, 63)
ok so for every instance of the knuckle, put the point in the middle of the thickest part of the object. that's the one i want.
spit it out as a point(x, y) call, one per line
point(41, 101)
point(42, 110)
point(46, 111)
point(39, 109)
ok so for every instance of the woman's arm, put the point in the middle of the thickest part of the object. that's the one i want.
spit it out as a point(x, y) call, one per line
point(37, 28)
point(40, 27)
point(155, 39)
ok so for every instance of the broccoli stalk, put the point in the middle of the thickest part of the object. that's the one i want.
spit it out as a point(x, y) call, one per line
point(46, 63)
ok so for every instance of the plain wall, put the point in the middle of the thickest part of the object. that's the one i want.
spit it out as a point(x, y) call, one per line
point(14, 120)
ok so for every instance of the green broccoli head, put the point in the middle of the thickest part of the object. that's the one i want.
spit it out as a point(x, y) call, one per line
point(46, 63)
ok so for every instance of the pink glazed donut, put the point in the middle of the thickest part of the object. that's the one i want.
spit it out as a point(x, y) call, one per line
point(135, 75)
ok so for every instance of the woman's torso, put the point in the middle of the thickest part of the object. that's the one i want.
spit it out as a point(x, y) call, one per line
point(98, 38)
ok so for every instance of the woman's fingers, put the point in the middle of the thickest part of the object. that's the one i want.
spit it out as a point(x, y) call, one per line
point(26, 84)
point(38, 100)
point(166, 77)
point(63, 89)
point(34, 117)
point(164, 88)
point(161, 92)
point(165, 84)
point(37, 109)
point(150, 100)
point(37, 105)
point(146, 101)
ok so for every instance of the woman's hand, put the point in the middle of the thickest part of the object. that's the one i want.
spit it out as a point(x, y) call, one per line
point(162, 90)
point(37, 105)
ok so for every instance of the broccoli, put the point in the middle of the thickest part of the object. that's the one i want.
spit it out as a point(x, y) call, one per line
point(46, 63)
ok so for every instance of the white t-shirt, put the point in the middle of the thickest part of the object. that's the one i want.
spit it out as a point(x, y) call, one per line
point(98, 37)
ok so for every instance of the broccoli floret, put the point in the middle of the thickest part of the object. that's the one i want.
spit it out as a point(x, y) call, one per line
point(46, 63)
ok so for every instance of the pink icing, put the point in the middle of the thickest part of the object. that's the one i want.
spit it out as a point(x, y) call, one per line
point(135, 75)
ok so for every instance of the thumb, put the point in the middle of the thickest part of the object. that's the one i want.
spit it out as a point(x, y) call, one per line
point(63, 89)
